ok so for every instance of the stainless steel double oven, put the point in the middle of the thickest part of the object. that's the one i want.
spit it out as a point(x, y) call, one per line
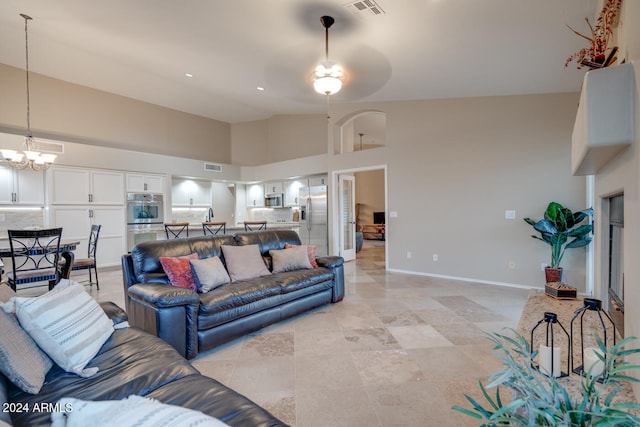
point(145, 217)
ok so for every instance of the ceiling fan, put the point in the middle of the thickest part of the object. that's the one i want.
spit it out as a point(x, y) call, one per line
point(327, 75)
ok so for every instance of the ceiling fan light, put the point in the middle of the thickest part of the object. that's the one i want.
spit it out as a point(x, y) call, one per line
point(327, 85)
point(48, 158)
point(32, 155)
point(9, 154)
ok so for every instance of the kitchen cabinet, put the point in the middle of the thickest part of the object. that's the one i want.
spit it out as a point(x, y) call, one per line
point(80, 186)
point(274, 187)
point(21, 186)
point(145, 183)
point(318, 180)
point(76, 222)
point(291, 190)
point(190, 192)
point(255, 195)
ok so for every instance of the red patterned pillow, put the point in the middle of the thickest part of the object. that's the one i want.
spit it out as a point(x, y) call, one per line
point(311, 251)
point(179, 272)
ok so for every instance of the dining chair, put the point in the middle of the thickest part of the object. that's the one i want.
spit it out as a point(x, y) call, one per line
point(35, 256)
point(211, 227)
point(176, 229)
point(89, 263)
point(255, 225)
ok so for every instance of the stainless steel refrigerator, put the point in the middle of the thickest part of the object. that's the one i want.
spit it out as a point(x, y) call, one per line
point(313, 218)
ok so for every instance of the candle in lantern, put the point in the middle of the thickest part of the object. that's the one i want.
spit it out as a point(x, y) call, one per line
point(592, 362)
point(544, 355)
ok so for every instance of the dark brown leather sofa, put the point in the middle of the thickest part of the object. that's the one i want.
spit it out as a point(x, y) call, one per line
point(133, 362)
point(193, 322)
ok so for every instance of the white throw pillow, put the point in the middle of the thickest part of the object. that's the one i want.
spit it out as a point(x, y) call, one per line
point(294, 258)
point(244, 262)
point(133, 411)
point(67, 324)
point(209, 273)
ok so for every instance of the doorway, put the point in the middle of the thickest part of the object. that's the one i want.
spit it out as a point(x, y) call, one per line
point(615, 285)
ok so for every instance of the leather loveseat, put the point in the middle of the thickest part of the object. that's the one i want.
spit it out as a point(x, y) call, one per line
point(193, 322)
point(132, 362)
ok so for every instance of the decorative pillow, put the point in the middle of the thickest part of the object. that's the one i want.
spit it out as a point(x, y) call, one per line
point(67, 324)
point(311, 249)
point(209, 273)
point(244, 262)
point(178, 270)
point(296, 258)
point(21, 361)
point(133, 411)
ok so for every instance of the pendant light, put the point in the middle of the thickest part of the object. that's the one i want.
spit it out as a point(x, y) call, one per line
point(327, 75)
point(28, 158)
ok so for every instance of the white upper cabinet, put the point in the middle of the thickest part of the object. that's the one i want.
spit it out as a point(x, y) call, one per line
point(318, 180)
point(190, 192)
point(291, 191)
point(255, 195)
point(274, 187)
point(85, 186)
point(21, 187)
point(145, 183)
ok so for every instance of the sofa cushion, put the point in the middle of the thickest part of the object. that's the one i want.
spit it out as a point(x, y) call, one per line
point(293, 258)
point(209, 273)
point(178, 269)
point(21, 360)
point(244, 262)
point(134, 411)
point(67, 324)
point(311, 251)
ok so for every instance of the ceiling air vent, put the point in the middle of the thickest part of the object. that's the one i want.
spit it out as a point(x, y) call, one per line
point(212, 167)
point(363, 8)
point(46, 146)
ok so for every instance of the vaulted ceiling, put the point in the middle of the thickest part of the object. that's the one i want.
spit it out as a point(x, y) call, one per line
point(411, 49)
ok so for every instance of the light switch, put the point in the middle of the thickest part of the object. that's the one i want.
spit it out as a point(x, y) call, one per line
point(510, 214)
point(393, 214)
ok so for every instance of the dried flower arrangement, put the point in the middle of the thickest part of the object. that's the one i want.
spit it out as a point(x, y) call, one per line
point(598, 54)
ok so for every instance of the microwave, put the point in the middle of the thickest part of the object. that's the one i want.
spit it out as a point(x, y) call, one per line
point(274, 200)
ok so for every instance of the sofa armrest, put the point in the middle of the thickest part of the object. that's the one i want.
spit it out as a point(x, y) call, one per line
point(114, 312)
point(336, 265)
point(4, 398)
point(168, 312)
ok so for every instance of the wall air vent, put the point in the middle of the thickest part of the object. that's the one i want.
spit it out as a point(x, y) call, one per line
point(47, 146)
point(364, 8)
point(212, 167)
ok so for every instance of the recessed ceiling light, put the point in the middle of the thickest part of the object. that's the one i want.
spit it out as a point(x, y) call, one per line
point(260, 88)
point(188, 74)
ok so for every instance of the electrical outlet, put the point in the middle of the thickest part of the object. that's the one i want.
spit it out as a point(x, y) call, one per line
point(435, 257)
point(512, 265)
point(409, 254)
point(510, 214)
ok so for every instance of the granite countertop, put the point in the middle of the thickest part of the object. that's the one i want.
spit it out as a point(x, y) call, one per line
point(537, 304)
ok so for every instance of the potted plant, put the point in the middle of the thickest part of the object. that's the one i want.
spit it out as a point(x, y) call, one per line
point(598, 54)
point(540, 400)
point(561, 229)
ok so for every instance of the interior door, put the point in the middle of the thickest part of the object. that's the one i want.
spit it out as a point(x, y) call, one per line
point(347, 208)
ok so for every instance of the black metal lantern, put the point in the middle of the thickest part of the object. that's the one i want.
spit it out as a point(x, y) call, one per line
point(553, 351)
point(592, 324)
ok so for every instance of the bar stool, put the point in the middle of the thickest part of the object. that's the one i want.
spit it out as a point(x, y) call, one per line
point(175, 230)
point(211, 227)
point(255, 225)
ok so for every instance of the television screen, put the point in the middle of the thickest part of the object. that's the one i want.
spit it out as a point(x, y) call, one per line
point(378, 217)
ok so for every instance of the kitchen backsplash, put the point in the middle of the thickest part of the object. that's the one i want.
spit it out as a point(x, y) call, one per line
point(19, 219)
point(270, 215)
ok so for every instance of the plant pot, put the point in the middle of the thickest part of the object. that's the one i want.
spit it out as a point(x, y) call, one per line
point(553, 274)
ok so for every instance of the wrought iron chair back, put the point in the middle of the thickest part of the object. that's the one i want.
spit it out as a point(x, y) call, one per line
point(214, 227)
point(255, 225)
point(175, 230)
point(35, 256)
point(89, 263)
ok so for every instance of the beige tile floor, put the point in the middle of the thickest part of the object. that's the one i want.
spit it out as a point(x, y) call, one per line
point(399, 350)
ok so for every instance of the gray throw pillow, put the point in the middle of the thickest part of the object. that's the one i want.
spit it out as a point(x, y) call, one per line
point(294, 258)
point(244, 262)
point(21, 360)
point(209, 273)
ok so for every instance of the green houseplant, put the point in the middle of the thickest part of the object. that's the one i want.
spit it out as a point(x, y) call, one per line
point(562, 229)
point(540, 400)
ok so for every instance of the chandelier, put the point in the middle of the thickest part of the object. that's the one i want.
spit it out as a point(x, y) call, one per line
point(29, 158)
point(327, 75)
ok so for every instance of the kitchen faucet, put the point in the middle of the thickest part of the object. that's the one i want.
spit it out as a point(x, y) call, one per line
point(210, 215)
